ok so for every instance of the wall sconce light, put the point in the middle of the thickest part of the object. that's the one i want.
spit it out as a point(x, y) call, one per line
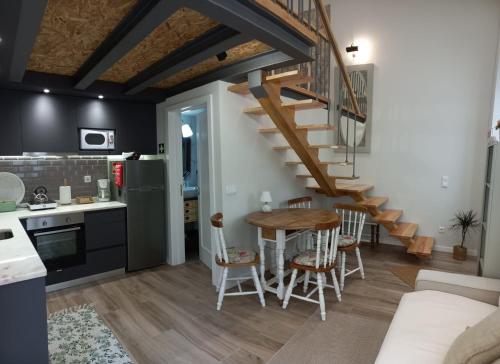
point(352, 49)
point(186, 131)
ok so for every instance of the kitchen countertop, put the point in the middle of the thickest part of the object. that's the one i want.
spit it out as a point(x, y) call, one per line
point(19, 260)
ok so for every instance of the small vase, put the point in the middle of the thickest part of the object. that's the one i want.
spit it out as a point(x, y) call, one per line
point(459, 252)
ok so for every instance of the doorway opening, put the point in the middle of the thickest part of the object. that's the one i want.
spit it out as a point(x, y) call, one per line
point(191, 179)
point(193, 121)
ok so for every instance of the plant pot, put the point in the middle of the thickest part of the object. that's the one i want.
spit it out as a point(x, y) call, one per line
point(459, 253)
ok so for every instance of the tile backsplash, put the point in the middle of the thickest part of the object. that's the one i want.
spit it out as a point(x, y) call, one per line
point(51, 172)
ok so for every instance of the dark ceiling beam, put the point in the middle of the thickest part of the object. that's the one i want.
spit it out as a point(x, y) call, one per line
point(208, 45)
point(29, 21)
point(244, 18)
point(63, 85)
point(141, 21)
point(235, 70)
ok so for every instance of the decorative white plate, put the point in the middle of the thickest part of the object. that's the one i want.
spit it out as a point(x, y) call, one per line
point(11, 187)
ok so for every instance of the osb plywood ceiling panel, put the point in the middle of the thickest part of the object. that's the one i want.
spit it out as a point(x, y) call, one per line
point(183, 26)
point(71, 30)
point(235, 54)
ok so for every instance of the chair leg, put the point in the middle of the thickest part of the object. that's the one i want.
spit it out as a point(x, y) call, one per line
point(257, 286)
point(222, 289)
point(321, 297)
point(336, 285)
point(360, 264)
point(342, 271)
point(309, 241)
point(220, 281)
point(290, 288)
point(306, 281)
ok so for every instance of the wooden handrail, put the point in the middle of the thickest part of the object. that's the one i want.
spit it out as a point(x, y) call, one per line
point(338, 56)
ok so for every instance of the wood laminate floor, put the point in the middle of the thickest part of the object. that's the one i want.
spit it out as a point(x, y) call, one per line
point(167, 314)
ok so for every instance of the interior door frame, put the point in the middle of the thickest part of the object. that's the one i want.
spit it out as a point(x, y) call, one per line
point(176, 253)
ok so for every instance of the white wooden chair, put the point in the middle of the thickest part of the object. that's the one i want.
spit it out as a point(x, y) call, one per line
point(352, 221)
point(300, 203)
point(234, 258)
point(304, 236)
point(320, 261)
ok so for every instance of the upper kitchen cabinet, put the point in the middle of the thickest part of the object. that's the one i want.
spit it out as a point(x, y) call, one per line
point(10, 123)
point(48, 123)
point(134, 123)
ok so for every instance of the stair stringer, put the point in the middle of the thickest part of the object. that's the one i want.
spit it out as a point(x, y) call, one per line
point(284, 119)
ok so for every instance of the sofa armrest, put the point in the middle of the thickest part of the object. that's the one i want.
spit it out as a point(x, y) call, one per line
point(482, 289)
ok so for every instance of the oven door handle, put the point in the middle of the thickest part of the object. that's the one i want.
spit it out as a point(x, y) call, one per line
point(57, 231)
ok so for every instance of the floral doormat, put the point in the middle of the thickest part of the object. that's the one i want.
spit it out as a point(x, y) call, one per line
point(79, 336)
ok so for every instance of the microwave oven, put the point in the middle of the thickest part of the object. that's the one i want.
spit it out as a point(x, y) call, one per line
point(97, 139)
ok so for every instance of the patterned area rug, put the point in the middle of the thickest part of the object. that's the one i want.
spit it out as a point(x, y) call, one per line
point(79, 336)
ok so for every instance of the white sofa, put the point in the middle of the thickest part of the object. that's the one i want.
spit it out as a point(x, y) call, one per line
point(428, 320)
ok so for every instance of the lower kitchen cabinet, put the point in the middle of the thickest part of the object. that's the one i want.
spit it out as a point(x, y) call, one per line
point(104, 260)
point(23, 323)
point(105, 229)
point(105, 245)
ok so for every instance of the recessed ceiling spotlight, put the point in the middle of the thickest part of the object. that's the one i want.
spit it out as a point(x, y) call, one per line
point(101, 97)
point(46, 91)
point(1, 40)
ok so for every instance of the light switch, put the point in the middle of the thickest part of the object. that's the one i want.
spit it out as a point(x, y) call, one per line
point(231, 190)
point(444, 181)
point(87, 179)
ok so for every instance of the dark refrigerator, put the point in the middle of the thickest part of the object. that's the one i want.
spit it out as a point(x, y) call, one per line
point(144, 193)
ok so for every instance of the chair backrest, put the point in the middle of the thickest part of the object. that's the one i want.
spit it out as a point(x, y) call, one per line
point(300, 203)
point(352, 219)
point(220, 241)
point(327, 235)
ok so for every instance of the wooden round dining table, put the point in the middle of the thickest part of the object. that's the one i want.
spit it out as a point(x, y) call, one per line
point(280, 226)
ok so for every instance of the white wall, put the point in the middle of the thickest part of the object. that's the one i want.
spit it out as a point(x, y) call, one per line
point(434, 70)
point(249, 163)
point(243, 158)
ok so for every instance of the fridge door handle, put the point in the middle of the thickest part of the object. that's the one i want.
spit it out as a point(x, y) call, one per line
point(181, 189)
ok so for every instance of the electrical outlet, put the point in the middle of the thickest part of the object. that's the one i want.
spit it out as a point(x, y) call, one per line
point(445, 181)
point(441, 229)
point(87, 179)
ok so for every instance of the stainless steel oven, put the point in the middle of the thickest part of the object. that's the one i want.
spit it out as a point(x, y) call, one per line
point(58, 239)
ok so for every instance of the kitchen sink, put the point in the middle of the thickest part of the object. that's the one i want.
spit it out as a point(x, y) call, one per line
point(6, 234)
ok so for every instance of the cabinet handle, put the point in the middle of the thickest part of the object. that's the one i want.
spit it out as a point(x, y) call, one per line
point(52, 232)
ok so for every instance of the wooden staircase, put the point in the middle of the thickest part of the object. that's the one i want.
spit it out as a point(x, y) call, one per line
point(267, 90)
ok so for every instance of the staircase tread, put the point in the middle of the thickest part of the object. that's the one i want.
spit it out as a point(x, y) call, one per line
point(323, 146)
point(316, 127)
point(374, 202)
point(325, 163)
point(350, 187)
point(347, 178)
point(345, 187)
point(422, 246)
point(390, 216)
point(312, 146)
point(306, 104)
point(405, 230)
point(294, 77)
point(300, 127)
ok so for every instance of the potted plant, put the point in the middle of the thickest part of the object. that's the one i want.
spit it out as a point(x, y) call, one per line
point(465, 221)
